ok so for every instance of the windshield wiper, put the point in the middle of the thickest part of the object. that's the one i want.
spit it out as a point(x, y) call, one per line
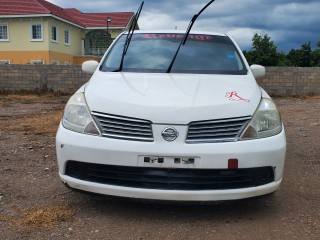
point(183, 42)
point(129, 36)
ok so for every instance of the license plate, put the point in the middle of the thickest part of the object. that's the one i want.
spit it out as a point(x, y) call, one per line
point(169, 162)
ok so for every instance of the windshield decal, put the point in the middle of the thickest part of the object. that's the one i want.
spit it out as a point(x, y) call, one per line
point(177, 36)
point(233, 96)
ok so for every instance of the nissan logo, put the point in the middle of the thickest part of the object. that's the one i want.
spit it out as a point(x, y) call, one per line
point(170, 134)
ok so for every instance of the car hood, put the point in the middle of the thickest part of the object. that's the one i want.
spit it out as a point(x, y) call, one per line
point(173, 98)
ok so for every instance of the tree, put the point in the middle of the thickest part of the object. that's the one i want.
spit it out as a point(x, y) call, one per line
point(315, 56)
point(283, 61)
point(263, 51)
point(248, 56)
point(301, 57)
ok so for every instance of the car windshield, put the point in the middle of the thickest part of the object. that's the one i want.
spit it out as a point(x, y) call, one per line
point(208, 54)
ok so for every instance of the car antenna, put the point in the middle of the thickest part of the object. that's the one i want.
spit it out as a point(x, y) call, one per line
point(129, 36)
point(194, 18)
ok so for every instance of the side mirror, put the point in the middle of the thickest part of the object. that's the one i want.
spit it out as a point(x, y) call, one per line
point(90, 66)
point(258, 71)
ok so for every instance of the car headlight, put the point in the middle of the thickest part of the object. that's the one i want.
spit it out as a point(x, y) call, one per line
point(77, 117)
point(266, 121)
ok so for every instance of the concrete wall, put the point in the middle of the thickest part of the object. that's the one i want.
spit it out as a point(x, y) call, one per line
point(279, 81)
point(291, 81)
point(58, 78)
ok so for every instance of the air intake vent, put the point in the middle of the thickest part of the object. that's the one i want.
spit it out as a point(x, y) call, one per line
point(170, 178)
point(223, 130)
point(125, 128)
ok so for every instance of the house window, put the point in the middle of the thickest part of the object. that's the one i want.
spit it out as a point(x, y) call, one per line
point(54, 34)
point(37, 62)
point(2, 62)
point(54, 62)
point(67, 37)
point(36, 32)
point(4, 34)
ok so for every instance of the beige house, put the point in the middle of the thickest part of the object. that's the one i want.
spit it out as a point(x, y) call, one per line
point(38, 32)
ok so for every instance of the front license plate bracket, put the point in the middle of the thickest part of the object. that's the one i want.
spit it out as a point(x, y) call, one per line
point(173, 162)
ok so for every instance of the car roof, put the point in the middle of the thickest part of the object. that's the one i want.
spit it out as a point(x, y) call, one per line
point(178, 32)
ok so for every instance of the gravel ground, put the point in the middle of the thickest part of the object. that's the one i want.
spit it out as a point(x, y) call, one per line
point(34, 204)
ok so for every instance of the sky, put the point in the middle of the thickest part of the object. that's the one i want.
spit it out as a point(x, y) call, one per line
point(289, 23)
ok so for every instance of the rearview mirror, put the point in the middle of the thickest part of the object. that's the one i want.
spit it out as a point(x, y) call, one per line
point(258, 71)
point(90, 66)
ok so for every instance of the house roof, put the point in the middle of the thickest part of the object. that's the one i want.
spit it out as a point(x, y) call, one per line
point(118, 19)
point(42, 7)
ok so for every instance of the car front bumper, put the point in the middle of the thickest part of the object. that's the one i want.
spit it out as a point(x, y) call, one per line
point(72, 146)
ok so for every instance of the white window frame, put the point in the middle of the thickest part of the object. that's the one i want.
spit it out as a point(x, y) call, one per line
point(31, 32)
point(36, 62)
point(57, 36)
point(4, 62)
point(68, 43)
point(55, 62)
point(8, 37)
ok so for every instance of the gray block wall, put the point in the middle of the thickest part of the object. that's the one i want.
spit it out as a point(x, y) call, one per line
point(291, 81)
point(61, 78)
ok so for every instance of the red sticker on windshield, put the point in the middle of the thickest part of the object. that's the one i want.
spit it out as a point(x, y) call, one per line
point(233, 96)
point(176, 36)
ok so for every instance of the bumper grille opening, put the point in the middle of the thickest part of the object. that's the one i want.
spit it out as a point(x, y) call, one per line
point(170, 178)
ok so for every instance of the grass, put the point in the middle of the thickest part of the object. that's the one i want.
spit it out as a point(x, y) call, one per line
point(32, 123)
point(45, 217)
point(33, 98)
point(43, 124)
point(313, 97)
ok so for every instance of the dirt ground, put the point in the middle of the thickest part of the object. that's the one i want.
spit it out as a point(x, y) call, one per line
point(34, 204)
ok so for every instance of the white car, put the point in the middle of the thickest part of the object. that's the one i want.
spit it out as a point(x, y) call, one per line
point(200, 130)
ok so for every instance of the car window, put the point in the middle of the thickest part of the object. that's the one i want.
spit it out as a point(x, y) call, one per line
point(154, 53)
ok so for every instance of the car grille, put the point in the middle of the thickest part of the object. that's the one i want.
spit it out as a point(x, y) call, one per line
point(170, 178)
point(223, 130)
point(126, 128)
